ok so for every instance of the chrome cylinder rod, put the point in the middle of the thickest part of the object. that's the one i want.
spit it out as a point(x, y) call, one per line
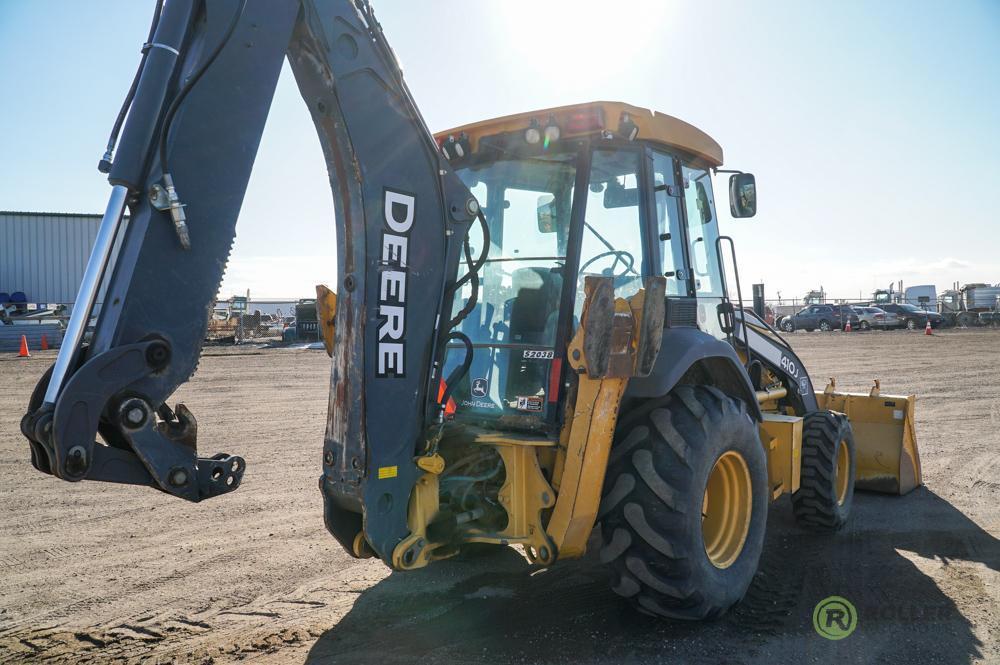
point(89, 288)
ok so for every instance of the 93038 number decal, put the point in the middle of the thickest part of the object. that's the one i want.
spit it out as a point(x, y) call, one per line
point(535, 354)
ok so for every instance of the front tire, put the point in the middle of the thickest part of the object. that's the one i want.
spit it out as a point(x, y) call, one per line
point(787, 326)
point(825, 326)
point(911, 324)
point(865, 325)
point(826, 491)
point(685, 505)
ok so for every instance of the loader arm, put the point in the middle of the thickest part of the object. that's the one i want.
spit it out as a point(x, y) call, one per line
point(181, 170)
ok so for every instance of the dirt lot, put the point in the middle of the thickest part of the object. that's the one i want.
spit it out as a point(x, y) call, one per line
point(98, 573)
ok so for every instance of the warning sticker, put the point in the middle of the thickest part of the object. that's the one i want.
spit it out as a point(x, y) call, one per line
point(529, 403)
point(385, 472)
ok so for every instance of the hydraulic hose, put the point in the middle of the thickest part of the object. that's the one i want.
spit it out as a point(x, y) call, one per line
point(456, 374)
point(104, 166)
point(168, 119)
point(177, 214)
point(473, 274)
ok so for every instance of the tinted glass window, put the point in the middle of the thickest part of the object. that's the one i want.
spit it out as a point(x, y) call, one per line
point(668, 224)
point(612, 233)
point(702, 230)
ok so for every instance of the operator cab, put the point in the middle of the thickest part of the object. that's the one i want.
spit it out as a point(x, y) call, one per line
point(594, 189)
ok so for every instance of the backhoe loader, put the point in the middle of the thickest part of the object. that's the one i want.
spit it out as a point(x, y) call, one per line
point(532, 333)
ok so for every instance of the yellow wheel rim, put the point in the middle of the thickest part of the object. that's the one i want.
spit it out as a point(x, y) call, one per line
point(725, 510)
point(843, 471)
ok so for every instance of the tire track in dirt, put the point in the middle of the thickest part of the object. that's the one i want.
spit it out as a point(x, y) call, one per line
point(96, 573)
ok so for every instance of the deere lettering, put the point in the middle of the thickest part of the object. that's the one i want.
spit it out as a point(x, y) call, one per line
point(398, 210)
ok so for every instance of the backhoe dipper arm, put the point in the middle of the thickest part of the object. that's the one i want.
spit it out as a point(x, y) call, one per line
point(181, 169)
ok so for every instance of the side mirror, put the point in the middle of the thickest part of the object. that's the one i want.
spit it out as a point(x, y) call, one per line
point(742, 195)
point(546, 213)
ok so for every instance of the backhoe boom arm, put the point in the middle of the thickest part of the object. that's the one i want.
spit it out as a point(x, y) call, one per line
point(181, 169)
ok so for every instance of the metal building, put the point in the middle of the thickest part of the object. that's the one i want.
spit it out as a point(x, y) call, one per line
point(44, 254)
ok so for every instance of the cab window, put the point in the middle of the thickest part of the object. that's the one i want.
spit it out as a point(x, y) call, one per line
point(612, 244)
point(668, 225)
point(703, 230)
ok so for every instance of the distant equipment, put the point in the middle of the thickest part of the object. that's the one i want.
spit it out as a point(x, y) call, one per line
point(972, 305)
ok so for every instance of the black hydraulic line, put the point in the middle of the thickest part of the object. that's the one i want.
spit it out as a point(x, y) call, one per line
point(481, 261)
point(104, 166)
point(456, 374)
point(177, 215)
point(472, 274)
point(191, 82)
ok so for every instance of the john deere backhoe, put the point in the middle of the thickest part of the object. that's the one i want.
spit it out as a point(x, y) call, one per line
point(531, 332)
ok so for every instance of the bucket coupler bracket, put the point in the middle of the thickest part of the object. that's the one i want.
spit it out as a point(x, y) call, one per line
point(148, 446)
point(167, 449)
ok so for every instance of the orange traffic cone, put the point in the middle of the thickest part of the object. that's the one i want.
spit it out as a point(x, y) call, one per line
point(927, 328)
point(847, 328)
point(23, 353)
point(45, 343)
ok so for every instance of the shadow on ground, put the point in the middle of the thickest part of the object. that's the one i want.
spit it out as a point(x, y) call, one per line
point(894, 562)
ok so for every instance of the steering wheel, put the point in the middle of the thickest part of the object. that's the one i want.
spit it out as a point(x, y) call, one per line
point(620, 256)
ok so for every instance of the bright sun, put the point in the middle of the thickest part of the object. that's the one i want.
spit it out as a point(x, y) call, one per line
point(580, 39)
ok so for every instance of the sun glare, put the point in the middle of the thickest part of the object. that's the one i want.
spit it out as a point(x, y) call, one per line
point(580, 40)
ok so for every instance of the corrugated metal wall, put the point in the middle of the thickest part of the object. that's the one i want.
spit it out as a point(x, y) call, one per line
point(10, 336)
point(44, 254)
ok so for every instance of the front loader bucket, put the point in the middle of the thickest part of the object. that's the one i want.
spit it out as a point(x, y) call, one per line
point(884, 437)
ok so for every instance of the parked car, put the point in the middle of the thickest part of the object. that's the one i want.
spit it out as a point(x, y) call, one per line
point(876, 317)
point(911, 316)
point(821, 317)
point(845, 313)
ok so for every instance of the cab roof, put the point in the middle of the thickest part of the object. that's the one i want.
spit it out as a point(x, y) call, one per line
point(587, 118)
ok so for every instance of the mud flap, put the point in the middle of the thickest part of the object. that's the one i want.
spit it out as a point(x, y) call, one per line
point(884, 435)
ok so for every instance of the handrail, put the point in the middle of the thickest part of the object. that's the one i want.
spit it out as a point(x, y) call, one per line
point(725, 286)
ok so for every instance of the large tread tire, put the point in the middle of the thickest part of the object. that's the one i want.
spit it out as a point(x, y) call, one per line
point(651, 512)
point(815, 504)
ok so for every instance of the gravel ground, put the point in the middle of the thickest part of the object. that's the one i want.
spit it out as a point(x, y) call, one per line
point(102, 573)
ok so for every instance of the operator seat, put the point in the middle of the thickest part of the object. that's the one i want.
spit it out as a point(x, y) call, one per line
point(532, 321)
point(536, 297)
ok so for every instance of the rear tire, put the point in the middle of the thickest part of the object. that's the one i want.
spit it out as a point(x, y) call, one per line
point(659, 503)
point(825, 326)
point(826, 491)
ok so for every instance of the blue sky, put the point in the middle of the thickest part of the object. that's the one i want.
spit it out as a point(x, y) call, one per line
point(873, 129)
